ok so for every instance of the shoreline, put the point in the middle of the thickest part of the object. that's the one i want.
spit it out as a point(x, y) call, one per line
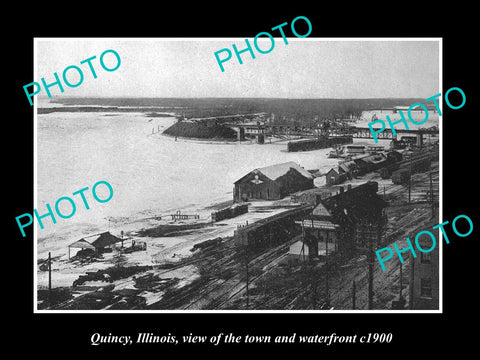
point(223, 141)
point(163, 281)
point(218, 141)
point(160, 248)
point(168, 241)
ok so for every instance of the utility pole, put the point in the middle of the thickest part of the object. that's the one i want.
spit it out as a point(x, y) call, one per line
point(432, 196)
point(401, 283)
point(312, 266)
point(327, 290)
point(410, 180)
point(246, 268)
point(49, 279)
point(411, 287)
point(400, 303)
point(302, 252)
point(314, 286)
point(353, 295)
point(370, 268)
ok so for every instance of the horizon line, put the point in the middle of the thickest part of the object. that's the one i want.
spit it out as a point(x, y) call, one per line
point(222, 97)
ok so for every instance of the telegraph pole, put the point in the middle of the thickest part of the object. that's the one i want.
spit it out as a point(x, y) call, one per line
point(401, 282)
point(49, 279)
point(431, 195)
point(353, 295)
point(327, 290)
point(370, 268)
point(411, 283)
point(312, 266)
point(410, 180)
point(314, 286)
point(246, 268)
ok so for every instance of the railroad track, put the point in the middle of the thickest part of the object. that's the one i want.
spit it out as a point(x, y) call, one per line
point(241, 285)
point(238, 281)
point(416, 215)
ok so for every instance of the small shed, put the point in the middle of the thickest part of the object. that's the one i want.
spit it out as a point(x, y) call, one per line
point(97, 242)
point(104, 240)
point(333, 177)
point(80, 244)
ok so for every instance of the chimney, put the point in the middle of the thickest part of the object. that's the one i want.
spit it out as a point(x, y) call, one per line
point(349, 187)
point(341, 189)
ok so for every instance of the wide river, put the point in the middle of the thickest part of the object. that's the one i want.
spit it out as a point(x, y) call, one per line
point(151, 174)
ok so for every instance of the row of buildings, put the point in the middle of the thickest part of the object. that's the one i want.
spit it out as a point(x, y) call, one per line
point(360, 165)
point(349, 221)
point(344, 223)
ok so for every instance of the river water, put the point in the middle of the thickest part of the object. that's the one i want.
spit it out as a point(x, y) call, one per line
point(151, 174)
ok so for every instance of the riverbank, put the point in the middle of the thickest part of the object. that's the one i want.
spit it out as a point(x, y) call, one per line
point(226, 141)
point(193, 264)
point(169, 243)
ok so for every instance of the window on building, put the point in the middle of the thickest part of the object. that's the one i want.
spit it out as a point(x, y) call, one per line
point(426, 287)
point(425, 258)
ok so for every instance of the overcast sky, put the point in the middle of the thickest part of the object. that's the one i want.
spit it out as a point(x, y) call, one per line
point(310, 68)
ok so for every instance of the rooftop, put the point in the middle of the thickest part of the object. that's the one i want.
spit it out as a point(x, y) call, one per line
point(100, 240)
point(273, 172)
point(321, 210)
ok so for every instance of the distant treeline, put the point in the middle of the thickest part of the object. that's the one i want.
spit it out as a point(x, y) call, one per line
point(301, 111)
point(153, 110)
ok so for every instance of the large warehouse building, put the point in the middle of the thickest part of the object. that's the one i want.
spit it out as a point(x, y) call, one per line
point(272, 182)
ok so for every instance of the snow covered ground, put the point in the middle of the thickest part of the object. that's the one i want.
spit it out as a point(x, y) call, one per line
point(160, 250)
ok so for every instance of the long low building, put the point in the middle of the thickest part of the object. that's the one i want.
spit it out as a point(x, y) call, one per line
point(272, 230)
